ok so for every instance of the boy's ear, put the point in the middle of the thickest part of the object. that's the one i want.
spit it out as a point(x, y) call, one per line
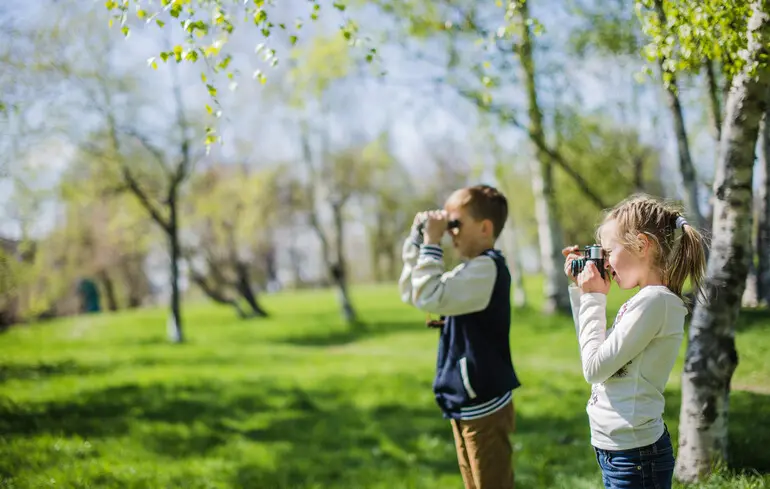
point(487, 227)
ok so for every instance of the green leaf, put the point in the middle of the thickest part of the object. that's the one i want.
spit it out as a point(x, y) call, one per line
point(212, 90)
point(293, 40)
point(124, 30)
point(141, 13)
point(260, 16)
point(203, 77)
point(164, 56)
point(110, 4)
point(160, 22)
point(339, 6)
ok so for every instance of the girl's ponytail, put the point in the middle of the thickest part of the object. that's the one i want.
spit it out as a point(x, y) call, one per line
point(687, 259)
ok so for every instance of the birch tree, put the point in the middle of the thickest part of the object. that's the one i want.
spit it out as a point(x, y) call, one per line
point(711, 356)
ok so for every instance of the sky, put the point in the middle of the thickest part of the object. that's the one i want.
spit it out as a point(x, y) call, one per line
point(417, 113)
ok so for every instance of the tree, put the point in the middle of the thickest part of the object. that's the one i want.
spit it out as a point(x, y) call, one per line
point(233, 213)
point(613, 158)
point(763, 210)
point(163, 201)
point(711, 356)
point(486, 77)
point(107, 236)
point(334, 178)
point(390, 205)
point(658, 21)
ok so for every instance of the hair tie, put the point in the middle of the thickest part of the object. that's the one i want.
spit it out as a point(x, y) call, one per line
point(680, 222)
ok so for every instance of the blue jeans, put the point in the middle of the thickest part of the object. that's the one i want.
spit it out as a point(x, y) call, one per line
point(638, 468)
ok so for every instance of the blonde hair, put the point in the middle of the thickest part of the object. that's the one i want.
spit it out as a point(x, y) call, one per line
point(680, 250)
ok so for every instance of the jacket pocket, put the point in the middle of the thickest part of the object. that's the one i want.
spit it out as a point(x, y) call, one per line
point(466, 378)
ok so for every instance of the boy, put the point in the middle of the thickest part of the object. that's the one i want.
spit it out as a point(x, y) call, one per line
point(474, 372)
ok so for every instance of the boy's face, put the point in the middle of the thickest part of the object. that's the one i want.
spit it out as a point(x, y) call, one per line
point(472, 237)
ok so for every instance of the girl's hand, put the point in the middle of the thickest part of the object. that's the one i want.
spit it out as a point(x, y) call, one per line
point(590, 281)
point(570, 253)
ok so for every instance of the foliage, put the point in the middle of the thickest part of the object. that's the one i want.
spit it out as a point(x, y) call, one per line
point(606, 155)
point(684, 34)
point(231, 216)
point(106, 401)
point(209, 25)
point(608, 28)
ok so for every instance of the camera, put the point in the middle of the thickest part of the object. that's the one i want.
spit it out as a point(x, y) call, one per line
point(593, 253)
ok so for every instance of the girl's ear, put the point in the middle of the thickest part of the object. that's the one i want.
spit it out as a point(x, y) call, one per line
point(644, 244)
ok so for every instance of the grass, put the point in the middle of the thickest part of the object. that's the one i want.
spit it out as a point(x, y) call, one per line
point(299, 401)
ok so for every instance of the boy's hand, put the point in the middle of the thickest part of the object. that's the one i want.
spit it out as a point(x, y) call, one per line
point(590, 281)
point(570, 253)
point(435, 227)
point(419, 217)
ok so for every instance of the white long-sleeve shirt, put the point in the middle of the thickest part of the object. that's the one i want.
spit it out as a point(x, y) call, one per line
point(629, 364)
point(465, 289)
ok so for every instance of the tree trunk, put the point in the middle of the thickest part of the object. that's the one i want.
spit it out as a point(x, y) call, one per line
point(750, 297)
point(686, 167)
point(247, 291)
point(517, 275)
point(109, 290)
point(213, 293)
point(711, 357)
point(763, 211)
point(175, 318)
point(131, 268)
point(295, 262)
point(549, 230)
point(339, 269)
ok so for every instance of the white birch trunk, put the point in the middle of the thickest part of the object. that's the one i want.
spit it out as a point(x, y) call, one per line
point(711, 356)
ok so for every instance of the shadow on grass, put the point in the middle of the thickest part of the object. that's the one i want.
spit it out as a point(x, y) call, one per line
point(753, 319)
point(320, 436)
point(41, 370)
point(338, 337)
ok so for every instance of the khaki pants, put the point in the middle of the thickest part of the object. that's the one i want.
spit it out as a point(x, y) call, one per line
point(484, 450)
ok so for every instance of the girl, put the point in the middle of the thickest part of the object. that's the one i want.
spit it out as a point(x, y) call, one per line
point(649, 245)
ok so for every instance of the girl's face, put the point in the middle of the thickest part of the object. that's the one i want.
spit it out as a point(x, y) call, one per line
point(627, 267)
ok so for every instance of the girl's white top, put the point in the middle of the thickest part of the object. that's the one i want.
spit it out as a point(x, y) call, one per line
point(629, 364)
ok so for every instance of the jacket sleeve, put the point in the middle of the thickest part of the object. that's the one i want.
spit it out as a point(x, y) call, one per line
point(409, 254)
point(463, 290)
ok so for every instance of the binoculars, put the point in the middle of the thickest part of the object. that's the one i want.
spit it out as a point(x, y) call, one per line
point(453, 224)
point(593, 253)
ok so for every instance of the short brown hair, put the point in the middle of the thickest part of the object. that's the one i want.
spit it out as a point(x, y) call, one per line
point(482, 202)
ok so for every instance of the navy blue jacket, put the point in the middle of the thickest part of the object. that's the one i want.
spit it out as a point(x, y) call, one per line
point(474, 358)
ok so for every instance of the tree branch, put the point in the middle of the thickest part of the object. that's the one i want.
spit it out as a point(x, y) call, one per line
point(716, 111)
point(136, 189)
point(555, 156)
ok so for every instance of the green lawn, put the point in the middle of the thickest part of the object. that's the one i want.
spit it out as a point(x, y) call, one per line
point(298, 401)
